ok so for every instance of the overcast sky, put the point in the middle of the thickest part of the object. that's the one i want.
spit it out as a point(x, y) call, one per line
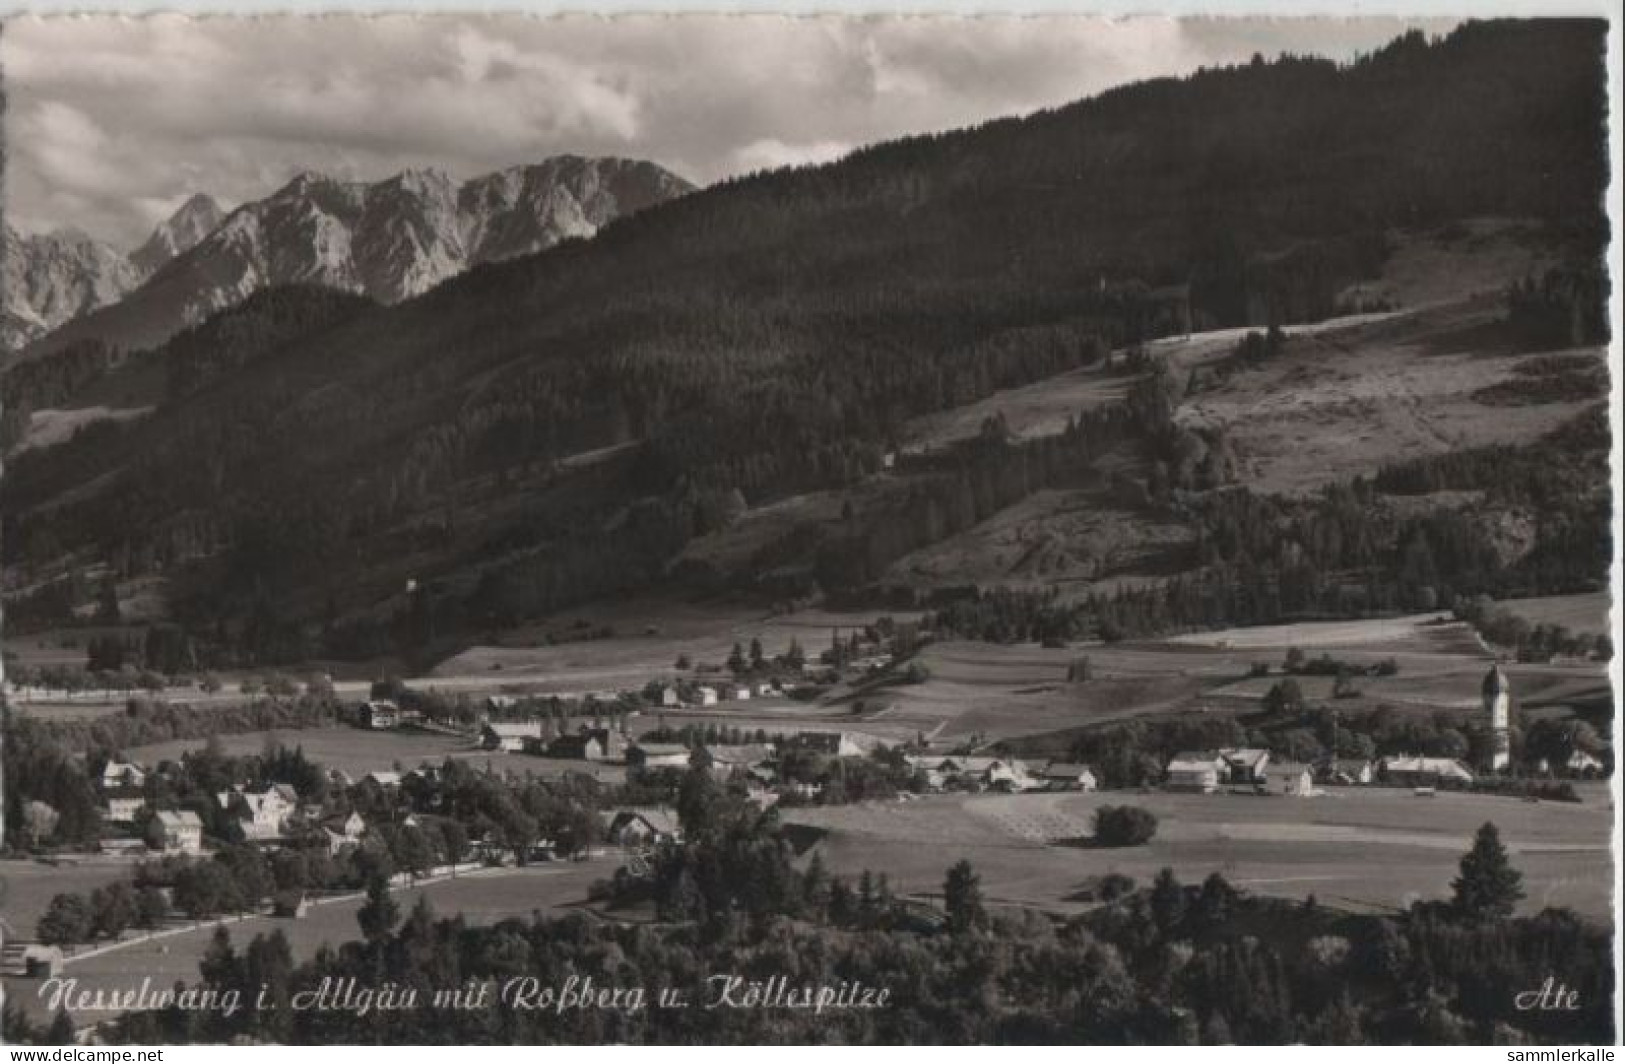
point(113, 121)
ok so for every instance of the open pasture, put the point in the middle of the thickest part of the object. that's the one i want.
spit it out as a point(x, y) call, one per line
point(27, 887)
point(352, 750)
point(358, 752)
point(650, 635)
point(1419, 631)
point(1061, 537)
point(1337, 404)
point(1580, 614)
point(1008, 691)
point(1367, 848)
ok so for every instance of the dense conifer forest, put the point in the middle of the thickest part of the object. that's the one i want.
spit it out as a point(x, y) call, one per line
point(768, 336)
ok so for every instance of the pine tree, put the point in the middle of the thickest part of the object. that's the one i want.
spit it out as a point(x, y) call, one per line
point(60, 1033)
point(962, 894)
point(1167, 902)
point(378, 914)
point(1489, 888)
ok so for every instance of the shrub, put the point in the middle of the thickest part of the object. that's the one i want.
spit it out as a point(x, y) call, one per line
point(1124, 825)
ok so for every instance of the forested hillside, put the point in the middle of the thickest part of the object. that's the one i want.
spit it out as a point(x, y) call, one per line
point(772, 334)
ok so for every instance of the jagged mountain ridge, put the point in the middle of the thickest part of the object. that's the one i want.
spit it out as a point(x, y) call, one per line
point(51, 278)
point(389, 240)
point(180, 233)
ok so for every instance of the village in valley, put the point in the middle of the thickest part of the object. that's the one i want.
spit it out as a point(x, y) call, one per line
point(529, 798)
point(1157, 592)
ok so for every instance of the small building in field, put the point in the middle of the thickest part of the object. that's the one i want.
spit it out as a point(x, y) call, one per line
point(1196, 771)
point(1289, 778)
point(290, 905)
point(642, 827)
point(979, 773)
point(183, 831)
point(510, 737)
point(1348, 771)
point(705, 695)
point(41, 962)
point(1067, 776)
point(381, 714)
point(738, 693)
point(670, 696)
point(385, 779)
point(833, 743)
point(768, 689)
point(1245, 765)
point(1409, 770)
point(724, 760)
point(657, 755)
point(589, 744)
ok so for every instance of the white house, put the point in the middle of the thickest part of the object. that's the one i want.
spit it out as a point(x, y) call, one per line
point(836, 744)
point(1412, 771)
point(1064, 776)
point(705, 695)
point(124, 804)
point(657, 755)
point(978, 772)
point(739, 693)
point(1289, 778)
point(722, 760)
point(384, 779)
point(768, 689)
point(1198, 771)
point(510, 737)
point(262, 811)
point(123, 774)
point(381, 714)
point(670, 697)
point(183, 831)
point(343, 832)
point(642, 827)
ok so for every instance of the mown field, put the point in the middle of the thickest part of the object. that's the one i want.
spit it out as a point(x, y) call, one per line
point(1367, 848)
point(1010, 691)
point(648, 638)
point(1580, 614)
point(357, 752)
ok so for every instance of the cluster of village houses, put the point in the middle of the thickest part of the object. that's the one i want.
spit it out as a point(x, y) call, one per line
point(265, 812)
point(272, 813)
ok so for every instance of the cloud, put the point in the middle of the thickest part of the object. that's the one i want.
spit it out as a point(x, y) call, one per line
point(771, 153)
point(111, 118)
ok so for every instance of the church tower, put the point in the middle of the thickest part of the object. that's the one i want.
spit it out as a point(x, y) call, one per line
point(1497, 696)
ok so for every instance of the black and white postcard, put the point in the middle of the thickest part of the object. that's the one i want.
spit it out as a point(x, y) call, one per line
point(739, 529)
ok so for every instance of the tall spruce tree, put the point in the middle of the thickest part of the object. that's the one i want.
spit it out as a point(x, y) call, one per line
point(1489, 888)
